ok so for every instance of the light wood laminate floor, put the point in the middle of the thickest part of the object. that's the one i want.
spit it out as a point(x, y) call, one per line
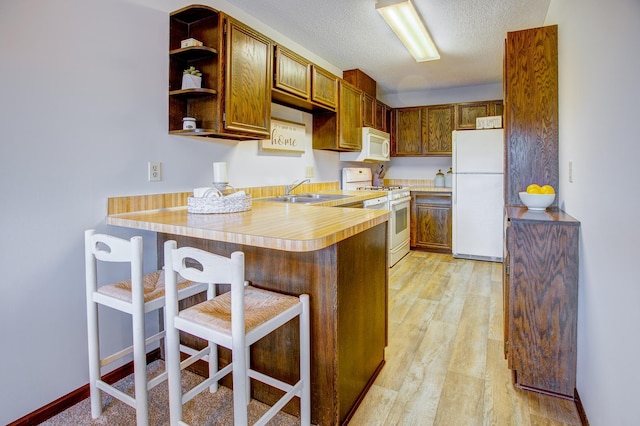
point(445, 363)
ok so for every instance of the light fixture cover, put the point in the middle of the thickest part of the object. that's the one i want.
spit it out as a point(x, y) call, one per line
point(404, 20)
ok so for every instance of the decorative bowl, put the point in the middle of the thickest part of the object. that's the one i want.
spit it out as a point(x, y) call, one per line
point(536, 201)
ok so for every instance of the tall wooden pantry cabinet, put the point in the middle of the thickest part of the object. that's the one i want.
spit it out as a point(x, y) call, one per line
point(540, 271)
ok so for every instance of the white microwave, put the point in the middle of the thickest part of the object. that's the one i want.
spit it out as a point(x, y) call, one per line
point(376, 147)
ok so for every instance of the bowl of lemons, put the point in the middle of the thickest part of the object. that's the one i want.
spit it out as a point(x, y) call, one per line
point(538, 197)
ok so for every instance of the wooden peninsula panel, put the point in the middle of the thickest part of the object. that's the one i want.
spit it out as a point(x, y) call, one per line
point(347, 287)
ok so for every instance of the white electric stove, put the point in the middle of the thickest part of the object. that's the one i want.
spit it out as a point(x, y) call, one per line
point(396, 199)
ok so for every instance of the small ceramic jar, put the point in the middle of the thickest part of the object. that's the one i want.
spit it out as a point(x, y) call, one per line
point(448, 178)
point(439, 180)
point(188, 123)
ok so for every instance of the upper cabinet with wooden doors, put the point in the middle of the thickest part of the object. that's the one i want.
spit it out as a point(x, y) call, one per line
point(531, 111)
point(374, 112)
point(423, 131)
point(381, 121)
point(324, 88)
point(342, 130)
point(408, 124)
point(301, 84)
point(247, 59)
point(292, 73)
point(436, 122)
point(466, 113)
point(440, 125)
point(235, 98)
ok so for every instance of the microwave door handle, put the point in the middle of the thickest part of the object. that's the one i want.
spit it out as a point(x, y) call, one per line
point(386, 149)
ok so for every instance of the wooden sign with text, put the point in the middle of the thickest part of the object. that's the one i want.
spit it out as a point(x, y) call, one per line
point(286, 136)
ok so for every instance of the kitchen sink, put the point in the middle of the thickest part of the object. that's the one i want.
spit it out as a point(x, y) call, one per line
point(305, 198)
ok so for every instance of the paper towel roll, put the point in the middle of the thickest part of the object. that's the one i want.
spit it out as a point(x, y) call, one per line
point(220, 172)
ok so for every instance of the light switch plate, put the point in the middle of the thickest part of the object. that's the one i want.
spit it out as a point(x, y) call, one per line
point(309, 172)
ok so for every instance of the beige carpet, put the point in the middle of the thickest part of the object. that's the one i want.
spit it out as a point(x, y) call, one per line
point(205, 409)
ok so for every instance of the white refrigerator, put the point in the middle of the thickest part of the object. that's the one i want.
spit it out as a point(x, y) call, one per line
point(478, 195)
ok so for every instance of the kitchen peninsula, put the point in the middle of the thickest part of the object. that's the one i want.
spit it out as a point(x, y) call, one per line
point(337, 255)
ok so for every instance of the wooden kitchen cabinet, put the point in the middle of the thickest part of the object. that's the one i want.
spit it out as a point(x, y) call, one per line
point(235, 98)
point(423, 131)
point(248, 64)
point(368, 111)
point(324, 88)
point(381, 119)
point(408, 124)
point(362, 81)
point(440, 125)
point(292, 73)
point(300, 84)
point(342, 130)
point(467, 112)
point(435, 124)
point(531, 111)
point(431, 219)
point(540, 283)
point(374, 112)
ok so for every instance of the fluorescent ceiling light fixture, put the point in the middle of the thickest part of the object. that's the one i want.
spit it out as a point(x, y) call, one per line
point(406, 23)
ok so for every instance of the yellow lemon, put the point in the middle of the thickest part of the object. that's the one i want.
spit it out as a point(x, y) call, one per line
point(534, 189)
point(547, 189)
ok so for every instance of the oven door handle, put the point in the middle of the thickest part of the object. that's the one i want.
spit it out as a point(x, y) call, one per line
point(399, 201)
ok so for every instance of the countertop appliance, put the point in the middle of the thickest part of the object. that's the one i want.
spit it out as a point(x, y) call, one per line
point(478, 194)
point(396, 199)
point(376, 147)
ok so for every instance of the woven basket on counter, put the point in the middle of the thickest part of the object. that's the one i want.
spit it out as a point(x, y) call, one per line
point(228, 204)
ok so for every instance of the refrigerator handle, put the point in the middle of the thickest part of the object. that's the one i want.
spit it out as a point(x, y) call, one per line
point(454, 195)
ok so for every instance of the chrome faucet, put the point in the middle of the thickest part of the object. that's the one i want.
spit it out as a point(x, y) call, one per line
point(294, 185)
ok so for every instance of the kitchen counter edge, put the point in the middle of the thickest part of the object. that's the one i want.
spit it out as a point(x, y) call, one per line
point(278, 226)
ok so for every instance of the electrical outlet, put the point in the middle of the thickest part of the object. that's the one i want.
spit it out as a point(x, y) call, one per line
point(309, 172)
point(155, 171)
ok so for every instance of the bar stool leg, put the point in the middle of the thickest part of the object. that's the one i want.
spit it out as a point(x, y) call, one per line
point(140, 368)
point(305, 362)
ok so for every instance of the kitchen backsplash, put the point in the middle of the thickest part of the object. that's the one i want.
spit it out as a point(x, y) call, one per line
point(408, 182)
point(127, 204)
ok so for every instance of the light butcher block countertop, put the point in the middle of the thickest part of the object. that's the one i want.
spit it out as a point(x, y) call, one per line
point(278, 226)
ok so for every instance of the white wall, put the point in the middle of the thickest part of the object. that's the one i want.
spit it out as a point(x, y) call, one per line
point(599, 91)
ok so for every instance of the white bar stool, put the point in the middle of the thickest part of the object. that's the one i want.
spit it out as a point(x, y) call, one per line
point(137, 296)
point(235, 320)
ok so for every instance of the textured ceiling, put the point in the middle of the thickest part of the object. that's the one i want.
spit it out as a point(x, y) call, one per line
point(351, 34)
